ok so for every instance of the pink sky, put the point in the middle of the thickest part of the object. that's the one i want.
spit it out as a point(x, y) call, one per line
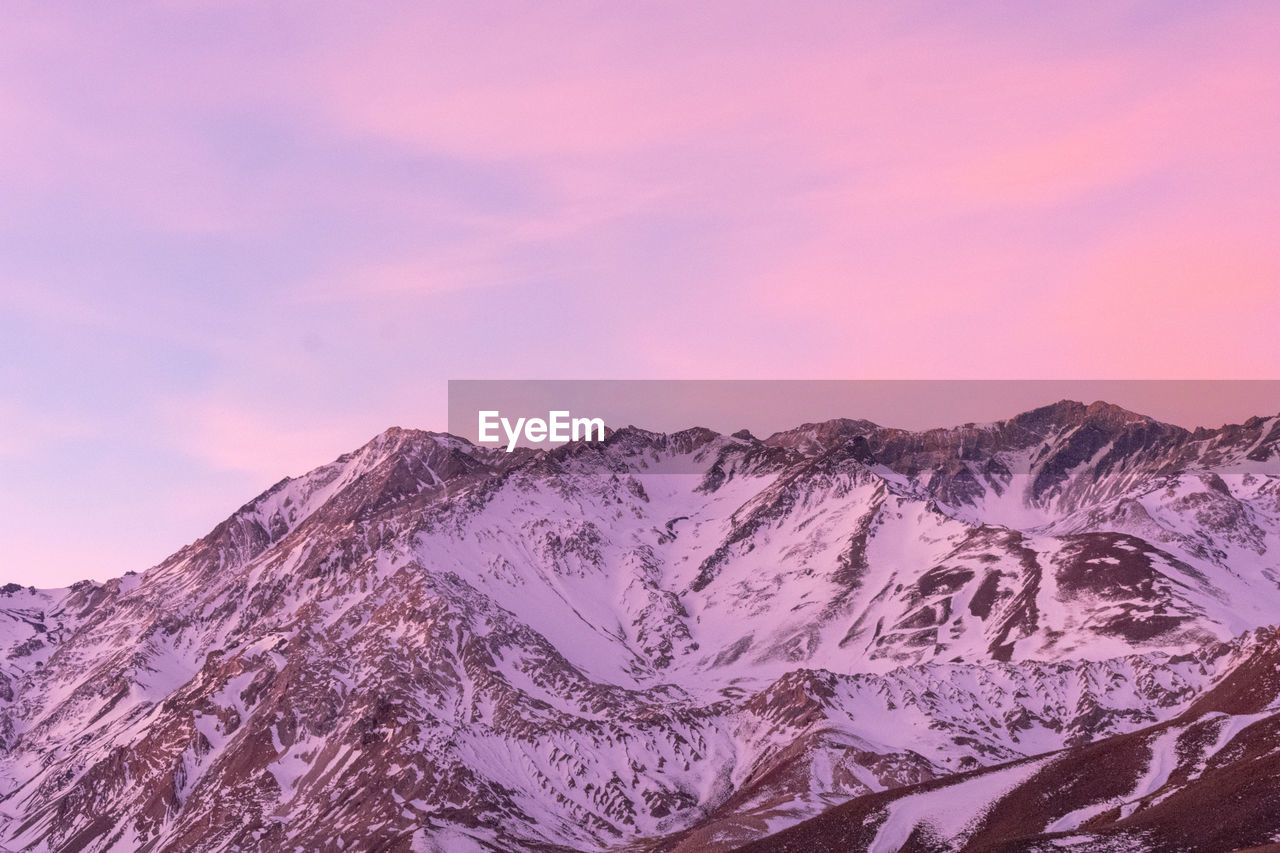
point(239, 239)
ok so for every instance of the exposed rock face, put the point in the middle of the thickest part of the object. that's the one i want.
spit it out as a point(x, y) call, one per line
point(428, 645)
point(1207, 779)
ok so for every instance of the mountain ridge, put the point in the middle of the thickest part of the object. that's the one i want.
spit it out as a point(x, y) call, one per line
point(636, 643)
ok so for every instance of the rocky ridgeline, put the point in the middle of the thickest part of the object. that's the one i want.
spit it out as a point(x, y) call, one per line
point(428, 645)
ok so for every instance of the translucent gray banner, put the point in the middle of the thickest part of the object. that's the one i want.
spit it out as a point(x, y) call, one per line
point(543, 413)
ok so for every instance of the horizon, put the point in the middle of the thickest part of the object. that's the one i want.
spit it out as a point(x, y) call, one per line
point(610, 431)
point(889, 426)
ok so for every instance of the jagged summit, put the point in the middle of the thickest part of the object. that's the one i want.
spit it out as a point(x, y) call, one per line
point(812, 437)
point(1074, 412)
point(1016, 432)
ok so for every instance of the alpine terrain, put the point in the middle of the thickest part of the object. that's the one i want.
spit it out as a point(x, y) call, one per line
point(1055, 632)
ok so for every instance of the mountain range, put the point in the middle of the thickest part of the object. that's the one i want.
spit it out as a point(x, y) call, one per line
point(1053, 632)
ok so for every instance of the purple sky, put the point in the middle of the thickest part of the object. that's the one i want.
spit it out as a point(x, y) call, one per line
point(240, 239)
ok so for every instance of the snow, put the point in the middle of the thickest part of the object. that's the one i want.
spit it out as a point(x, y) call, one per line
point(950, 810)
point(1163, 762)
point(447, 839)
point(521, 623)
point(1160, 766)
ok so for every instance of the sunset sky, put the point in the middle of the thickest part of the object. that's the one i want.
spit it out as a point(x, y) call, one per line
point(238, 239)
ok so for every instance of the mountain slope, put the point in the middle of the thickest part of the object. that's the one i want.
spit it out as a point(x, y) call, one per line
point(657, 641)
point(1207, 779)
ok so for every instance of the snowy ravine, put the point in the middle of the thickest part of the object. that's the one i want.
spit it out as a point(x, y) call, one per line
point(841, 635)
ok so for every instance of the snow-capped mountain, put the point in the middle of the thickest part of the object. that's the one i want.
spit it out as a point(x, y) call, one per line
point(666, 642)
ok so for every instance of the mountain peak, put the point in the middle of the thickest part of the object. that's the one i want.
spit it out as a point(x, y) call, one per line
point(822, 434)
point(1070, 413)
point(396, 437)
